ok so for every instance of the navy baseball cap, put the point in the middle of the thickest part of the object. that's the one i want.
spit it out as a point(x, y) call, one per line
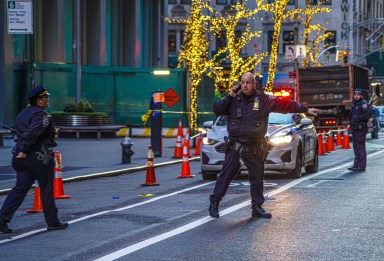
point(359, 91)
point(39, 91)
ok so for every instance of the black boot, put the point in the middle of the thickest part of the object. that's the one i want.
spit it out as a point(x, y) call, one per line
point(4, 227)
point(214, 206)
point(258, 211)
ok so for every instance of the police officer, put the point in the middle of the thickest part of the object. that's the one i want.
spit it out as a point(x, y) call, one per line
point(32, 160)
point(247, 113)
point(358, 119)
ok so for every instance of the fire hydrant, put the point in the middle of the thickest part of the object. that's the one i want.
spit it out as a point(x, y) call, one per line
point(127, 152)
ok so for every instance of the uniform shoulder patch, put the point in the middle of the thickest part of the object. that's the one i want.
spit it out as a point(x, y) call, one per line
point(45, 121)
point(364, 106)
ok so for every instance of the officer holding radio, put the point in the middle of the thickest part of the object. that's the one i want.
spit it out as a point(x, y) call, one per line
point(33, 160)
point(247, 113)
point(358, 119)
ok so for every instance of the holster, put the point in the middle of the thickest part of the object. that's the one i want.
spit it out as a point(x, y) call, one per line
point(45, 155)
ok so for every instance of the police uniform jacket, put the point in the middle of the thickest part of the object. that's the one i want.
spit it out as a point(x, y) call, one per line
point(34, 129)
point(248, 116)
point(360, 113)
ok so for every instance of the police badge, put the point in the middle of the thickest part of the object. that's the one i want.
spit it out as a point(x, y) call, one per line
point(256, 105)
point(45, 121)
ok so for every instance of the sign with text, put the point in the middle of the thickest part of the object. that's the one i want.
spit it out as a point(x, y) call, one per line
point(290, 52)
point(20, 17)
point(171, 97)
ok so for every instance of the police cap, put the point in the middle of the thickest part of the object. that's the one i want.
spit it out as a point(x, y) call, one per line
point(39, 91)
point(359, 91)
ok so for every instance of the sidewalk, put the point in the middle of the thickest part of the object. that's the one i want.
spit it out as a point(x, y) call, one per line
point(90, 158)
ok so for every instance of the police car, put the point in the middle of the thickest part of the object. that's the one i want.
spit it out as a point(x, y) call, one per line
point(293, 139)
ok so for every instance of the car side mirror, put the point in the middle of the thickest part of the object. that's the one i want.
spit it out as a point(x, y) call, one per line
point(208, 124)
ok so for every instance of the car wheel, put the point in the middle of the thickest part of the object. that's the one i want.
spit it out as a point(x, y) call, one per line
point(207, 175)
point(315, 166)
point(296, 172)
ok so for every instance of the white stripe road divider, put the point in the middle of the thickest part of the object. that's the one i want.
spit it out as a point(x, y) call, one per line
point(182, 229)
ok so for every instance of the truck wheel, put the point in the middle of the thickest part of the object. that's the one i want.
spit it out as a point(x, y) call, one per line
point(296, 172)
point(209, 175)
point(315, 166)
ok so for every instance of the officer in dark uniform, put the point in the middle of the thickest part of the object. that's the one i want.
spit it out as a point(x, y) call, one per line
point(358, 119)
point(33, 160)
point(247, 113)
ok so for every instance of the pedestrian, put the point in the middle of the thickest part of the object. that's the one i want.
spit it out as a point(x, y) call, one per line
point(33, 160)
point(358, 125)
point(247, 113)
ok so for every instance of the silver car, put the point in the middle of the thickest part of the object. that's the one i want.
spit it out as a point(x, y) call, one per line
point(293, 139)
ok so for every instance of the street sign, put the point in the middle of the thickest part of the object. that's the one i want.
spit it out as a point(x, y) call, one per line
point(170, 97)
point(20, 17)
point(292, 74)
point(158, 97)
point(290, 52)
point(256, 48)
point(301, 51)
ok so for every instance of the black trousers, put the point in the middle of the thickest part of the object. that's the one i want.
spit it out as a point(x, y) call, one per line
point(28, 170)
point(358, 143)
point(231, 167)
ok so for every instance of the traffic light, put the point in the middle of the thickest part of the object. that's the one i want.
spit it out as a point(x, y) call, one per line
point(339, 56)
point(345, 57)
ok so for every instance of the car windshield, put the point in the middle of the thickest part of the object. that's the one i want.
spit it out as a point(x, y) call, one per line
point(274, 118)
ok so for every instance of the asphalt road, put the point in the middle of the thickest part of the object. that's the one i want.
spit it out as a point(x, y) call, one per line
point(331, 215)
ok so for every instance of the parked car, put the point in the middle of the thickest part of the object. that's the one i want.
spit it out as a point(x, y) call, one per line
point(293, 139)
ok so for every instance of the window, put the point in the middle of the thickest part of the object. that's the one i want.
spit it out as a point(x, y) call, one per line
point(171, 41)
point(185, 2)
point(270, 40)
point(221, 2)
point(221, 41)
point(172, 2)
point(291, 2)
point(330, 41)
point(236, 1)
point(313, 2)
point(288, 39)
point(327, 2)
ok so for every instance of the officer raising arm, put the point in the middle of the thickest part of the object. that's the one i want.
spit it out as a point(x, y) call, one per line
point(247, 113)
point(33, 160)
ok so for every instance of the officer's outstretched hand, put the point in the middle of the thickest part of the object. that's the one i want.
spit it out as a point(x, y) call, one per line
point(313, 111)
point(21, 155)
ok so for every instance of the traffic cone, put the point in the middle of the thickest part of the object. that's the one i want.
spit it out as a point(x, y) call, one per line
point(150, 178)
point(324, 139)
point(198, 144)
point(37, 203)
point(180, 129)
point(185, 169)
point(178, 153)
point(320, 147)
point(339, 141)
point(346, 140)
point(331, 142)
point(186, 141)
point(58, 187)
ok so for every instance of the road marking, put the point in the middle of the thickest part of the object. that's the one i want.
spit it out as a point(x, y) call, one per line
point(135, 247)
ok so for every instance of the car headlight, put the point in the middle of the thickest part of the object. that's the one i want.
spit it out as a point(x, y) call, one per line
point(281, 139)
point(208, 141)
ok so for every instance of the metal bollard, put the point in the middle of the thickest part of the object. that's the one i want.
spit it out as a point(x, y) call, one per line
point(126, 152)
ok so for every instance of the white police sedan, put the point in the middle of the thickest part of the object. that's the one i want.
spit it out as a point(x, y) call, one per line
point(292, 136)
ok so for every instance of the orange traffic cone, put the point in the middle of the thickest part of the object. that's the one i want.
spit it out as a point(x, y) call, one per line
point(198, 144)
point(186, 141)
point(180, 129)
point(346, 140)
point(37, 203)
point(185, 169)
point(331, 142)
point(58, 187)
point(339, 141)
point(150, 178)
point(320, 147)
point(324, 139)
point(178, 153)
